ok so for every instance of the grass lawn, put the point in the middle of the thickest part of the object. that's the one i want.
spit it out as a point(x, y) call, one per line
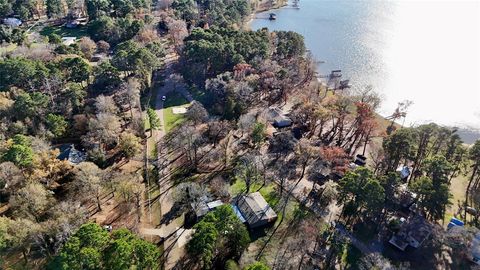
point(155, 207)
point(152, 147)
point(457, 189)
point(151, 140)
point(268, 192)
point(171, 119)
point(78, 32)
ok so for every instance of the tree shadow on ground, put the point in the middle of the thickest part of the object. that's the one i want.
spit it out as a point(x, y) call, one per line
point(174, 213)
point(433, 254)
point(174, 99)
point(185, 263)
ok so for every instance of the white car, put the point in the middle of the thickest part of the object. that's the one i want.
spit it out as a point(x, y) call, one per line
point(164, 98)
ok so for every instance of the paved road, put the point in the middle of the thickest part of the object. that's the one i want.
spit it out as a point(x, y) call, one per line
point(172, 82)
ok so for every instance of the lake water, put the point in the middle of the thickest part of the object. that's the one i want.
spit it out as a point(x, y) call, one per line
point(423, 51)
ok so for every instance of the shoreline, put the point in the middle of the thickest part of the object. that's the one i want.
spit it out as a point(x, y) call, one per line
point(318, 79)
point(260, 10)
point(467, 132)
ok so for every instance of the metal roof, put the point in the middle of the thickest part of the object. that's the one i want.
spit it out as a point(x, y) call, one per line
point(254, 208)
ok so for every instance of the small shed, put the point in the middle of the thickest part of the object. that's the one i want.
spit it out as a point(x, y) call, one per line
point(12, 22)
point(254, 210)
point(282, 121)
point(360, 160)
point(98, 57)
point(202, 207)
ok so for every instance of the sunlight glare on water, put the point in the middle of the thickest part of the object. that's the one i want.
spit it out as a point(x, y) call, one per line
point(424, 51)
point(434, 60)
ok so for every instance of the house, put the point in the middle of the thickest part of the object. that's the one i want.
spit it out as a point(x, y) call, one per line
point(277, 118)
point(12, 22)
point(98, 57)
point(69, 153)
point(67, 41)
point(414, 231)
point(253, 210)
point(72, 24)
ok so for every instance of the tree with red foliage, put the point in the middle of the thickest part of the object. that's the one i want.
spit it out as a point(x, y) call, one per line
point(362, 128)
point(336, 157)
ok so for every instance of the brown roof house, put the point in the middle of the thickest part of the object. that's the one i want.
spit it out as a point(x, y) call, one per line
point(413, 233)
point(253, 210)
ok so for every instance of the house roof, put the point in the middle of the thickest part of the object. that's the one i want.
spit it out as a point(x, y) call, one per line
point(415, 228)
point(254, 208)
point(399, 242)
point(12, 21)
point(276, 116)
point(68, 152)
point(419, 229)
point(202, 207)
point(67, 41)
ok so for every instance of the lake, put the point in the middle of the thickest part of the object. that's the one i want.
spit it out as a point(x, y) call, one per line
point(423, 51)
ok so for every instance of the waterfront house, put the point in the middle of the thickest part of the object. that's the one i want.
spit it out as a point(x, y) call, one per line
point(277, 118)
point(413, 232)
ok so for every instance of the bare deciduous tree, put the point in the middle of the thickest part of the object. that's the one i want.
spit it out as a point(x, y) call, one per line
point(87, 46)
point(88, 183)
point(178, 32)
point(197, 113)
point(31, 201)
point(105, 104)
point(103, 129)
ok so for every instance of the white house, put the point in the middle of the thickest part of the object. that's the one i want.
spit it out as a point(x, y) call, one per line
point(67, 41)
